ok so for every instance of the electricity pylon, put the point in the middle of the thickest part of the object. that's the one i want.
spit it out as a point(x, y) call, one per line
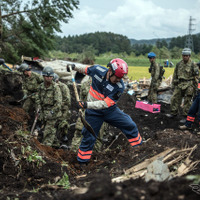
point(189, 39)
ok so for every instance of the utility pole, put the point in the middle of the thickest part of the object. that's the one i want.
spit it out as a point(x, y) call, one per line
point(189, 39)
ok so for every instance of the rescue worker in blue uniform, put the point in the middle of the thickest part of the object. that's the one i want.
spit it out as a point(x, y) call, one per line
point(194, 110)
point(106, 88)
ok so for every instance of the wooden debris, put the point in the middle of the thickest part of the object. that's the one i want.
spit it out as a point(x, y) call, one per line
point(79, 190)
point(144, 164)
point(180, 158)
point(110, 146)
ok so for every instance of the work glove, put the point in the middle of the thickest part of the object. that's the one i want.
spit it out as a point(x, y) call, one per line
point(72, 66)
point(2, 61)
point(24, 97)
point(49, 115)
point(82, 104)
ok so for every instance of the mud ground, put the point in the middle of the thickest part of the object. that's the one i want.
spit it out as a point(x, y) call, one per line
point(22, 177)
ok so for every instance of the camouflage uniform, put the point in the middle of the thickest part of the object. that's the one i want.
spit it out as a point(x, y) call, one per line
point(29, 86)
point(76, 140)
point(184, 83)
point(66, 102)
point(49, 100)
point(155, 82)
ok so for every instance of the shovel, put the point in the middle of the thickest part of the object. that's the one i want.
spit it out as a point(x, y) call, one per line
point(35, 121)
point(4, 64)
point(19, 101)
point(85, 123)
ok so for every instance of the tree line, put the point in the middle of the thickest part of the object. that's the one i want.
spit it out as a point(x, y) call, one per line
point(102, 42)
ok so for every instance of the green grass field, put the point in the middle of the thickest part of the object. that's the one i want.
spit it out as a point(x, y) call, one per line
point(136, 73)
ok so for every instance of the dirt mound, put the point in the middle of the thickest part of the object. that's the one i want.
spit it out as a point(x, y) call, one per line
point(30, 170)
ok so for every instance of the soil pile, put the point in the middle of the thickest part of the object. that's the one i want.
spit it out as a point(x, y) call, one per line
point(30, 170)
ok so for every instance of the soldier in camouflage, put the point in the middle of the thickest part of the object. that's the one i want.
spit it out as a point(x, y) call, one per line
point(76, 140)
point(30, 85)
point(49, 102)
point(184, 83)
point(155, 78)
point(63, 124)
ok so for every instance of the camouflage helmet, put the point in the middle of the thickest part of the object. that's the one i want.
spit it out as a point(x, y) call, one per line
point(55, 77)
point(47, 71)
point(24, 67)
point(186, 51)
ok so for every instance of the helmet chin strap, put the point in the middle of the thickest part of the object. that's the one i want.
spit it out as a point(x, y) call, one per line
point(110, 75)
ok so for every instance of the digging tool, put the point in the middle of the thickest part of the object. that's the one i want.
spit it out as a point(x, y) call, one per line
point(7, 67)
point(73, 124)
point(35, 121)
point(85, 123)
point(18, 102)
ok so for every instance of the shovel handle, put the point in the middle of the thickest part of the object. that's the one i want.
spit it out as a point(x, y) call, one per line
point(85, 123)
point(4, 64)
point(26, 97)
point(35, 121)
point(74, 84)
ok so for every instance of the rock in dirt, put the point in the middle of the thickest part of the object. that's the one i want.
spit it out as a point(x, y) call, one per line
point(157, 171)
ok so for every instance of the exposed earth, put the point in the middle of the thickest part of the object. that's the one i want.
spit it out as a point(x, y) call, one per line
point(30, 170)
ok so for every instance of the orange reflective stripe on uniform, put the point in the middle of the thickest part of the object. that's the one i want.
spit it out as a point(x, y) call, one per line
point(135, 141)
point(100, 96)
point(191, 119)
point(198, 85)
point(109, 101)
point(86, 69)
point(84, 155)
point(96, 94)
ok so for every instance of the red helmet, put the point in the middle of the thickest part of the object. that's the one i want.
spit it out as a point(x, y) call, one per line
point(119, 67)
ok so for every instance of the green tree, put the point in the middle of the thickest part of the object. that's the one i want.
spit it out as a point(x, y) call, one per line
point(176, 53)
point(141, 49)
point(177, 42)
point(29, 27)
point(164, 53)
point(87, 56)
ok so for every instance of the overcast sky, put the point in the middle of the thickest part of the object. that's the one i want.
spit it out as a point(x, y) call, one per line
point(136, 19)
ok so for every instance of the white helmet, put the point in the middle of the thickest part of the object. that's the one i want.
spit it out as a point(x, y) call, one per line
point(186, 51)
